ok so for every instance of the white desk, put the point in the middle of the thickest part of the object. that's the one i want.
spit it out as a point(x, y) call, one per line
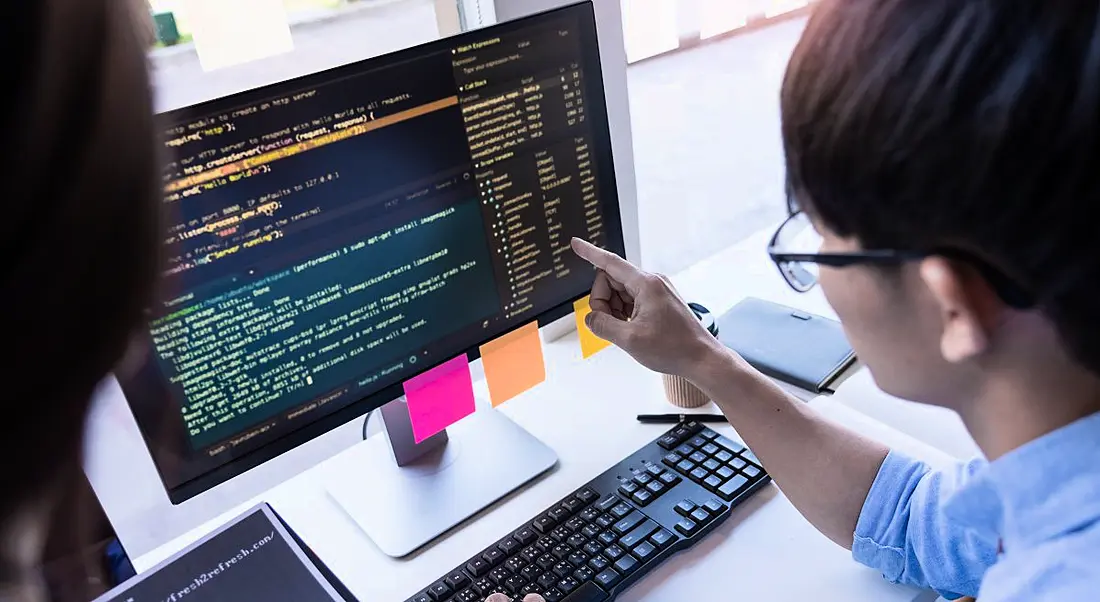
point(586, 413)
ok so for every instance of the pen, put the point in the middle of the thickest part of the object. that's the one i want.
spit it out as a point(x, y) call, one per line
point(678, 418)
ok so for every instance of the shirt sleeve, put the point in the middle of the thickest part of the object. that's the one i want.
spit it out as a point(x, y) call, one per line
point(903, 532)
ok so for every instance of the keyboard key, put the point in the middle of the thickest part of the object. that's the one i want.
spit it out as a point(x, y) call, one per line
point(687, 526)
point(574, 524)
point(605, 521)
point(642, 497)
point(698, 442)
point(712, 482)
point(514, 584)
point(714, 506)
point(729, 444)
point(563, 569)
point(547, 580)
point(685, 450)
point(420, 598)
point(530, 553)
point(700, 515)
point(543, 524)
point(607, 538)
point(737, 463)
point(669, 478)
point(598, 563)
point(531, 572)
point(578, 558)
point(751, 457)
point(573, 505)
point(439, 591)
point(590, 531)
point(553, 595)
point(576, 540)
point(708, 434)
point(672, 459)
point(545, 562)
point(723, 456)
point(457, 580)
point(560, 533)
point(628, 488)
point(567, 585)
point(493, 556)
point(645, 551)
point(614, 552)
point(530, 588)
point(587, 496)
point(710, 449)
point(545, 543)
point(498, 575)
point(509, 546)
point(686, 507)
point(468, 595)
point(629, 522)
point(732, 487)
point(685, 466)
point(589, 514)
point(561, 551)
point(698, 474)
point(711, 464)
point(525, 536)
point(639, 534)
point(668, 441)
point(621, 510)
point(662, 538)
point(592, 547)
point(583, 574)
point(643, 478)
point(483, 587)
point(626, 564)
point(750, 470)
point(515, 564)
point(655, 487)
point(654, 470)
point(607, 503)
point(608, 578)
point(558, 514)
point(479, 567)
point(725, 472)
point(698, 457)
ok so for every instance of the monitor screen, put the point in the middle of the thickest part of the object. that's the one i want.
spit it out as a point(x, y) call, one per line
point(331, 236)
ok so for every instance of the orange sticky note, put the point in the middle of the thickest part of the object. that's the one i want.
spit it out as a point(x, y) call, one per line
point(590, 343)
point(513, 363)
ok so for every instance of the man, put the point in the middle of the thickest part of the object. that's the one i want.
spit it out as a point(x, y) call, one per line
point(946, 153)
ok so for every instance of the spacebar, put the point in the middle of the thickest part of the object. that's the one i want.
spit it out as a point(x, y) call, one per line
point(589, 592)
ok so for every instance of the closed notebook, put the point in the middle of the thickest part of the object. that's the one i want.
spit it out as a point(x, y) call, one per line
point(787, 344)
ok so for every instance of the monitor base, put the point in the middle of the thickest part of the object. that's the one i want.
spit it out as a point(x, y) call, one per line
point(402, 508)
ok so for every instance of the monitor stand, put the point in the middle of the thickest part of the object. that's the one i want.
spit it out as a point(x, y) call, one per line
point(404, 495)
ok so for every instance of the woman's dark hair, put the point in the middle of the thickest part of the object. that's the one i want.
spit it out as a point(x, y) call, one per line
point(80, 227)
point(968, 124)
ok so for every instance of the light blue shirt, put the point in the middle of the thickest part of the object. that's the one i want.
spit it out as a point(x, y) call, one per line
point(1024, 527)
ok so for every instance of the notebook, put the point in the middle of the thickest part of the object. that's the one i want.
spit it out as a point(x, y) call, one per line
point(253, 557)
point(787, 344)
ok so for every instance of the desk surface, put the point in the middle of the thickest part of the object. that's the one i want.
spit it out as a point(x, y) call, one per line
point(585, 411)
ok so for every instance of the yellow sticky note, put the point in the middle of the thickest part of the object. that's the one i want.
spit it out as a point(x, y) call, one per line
point(234, 32)
point(590, 343)
point(513, 363)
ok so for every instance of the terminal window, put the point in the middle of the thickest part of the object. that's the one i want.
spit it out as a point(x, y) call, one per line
point(329, 238)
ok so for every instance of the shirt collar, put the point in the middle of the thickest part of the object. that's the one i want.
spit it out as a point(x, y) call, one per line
point(1039, 491)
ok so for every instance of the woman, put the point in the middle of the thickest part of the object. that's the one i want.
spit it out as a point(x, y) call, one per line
point(80, 235)
point(947, 153)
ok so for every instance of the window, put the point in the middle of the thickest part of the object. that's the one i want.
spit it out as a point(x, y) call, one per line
point(324, 34)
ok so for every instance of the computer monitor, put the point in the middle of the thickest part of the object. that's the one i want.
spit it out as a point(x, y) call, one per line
point(334, 235)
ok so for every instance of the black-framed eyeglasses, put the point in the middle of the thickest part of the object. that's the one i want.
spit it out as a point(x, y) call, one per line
point(794, 249)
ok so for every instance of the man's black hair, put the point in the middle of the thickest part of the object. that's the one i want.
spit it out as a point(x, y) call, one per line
point(964, 124)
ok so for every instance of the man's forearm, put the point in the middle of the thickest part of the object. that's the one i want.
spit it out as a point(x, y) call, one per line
point(823, 468)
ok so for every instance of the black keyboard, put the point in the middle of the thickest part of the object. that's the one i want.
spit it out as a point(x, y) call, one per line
point(601, 539)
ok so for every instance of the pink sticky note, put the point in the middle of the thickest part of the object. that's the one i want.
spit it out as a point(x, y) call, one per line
point(440, 397)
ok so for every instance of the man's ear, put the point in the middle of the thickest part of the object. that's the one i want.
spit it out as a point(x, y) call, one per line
point(968, 307)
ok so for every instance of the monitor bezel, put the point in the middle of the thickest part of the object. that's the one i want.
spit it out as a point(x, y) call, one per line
point(601, 139)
